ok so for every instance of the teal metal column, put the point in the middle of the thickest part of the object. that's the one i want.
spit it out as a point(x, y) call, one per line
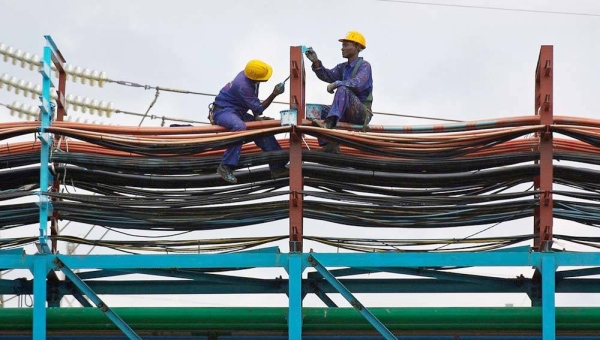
point(46, 143)
point(295, 269)
point(548, 296)
point(40, 270)
point(353, 301)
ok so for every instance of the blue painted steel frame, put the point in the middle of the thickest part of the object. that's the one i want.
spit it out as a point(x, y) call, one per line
point(46, 142)
point(548, 269)
point(40, 268)
point(295, 263)
point(295, 268)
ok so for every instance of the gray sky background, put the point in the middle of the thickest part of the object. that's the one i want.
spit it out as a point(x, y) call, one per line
point(431, 61)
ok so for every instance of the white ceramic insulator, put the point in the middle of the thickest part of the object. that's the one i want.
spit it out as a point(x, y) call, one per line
point(87, 74)
point(93, 106)
point(27, 88)
point(34, 112)
point(3, 80)
point(19, 86)
point(69, 100)
point(76, 73)
point(102, 108)
point(86, 104)
point(37, 91)
point(109, 110)
point(21, 109)
point(9, 52)
point(18, 56)
point(26, 60)
point(101, 79)
point(77, 103)
point(12, 82)
point(94, 77)
point(69, 69)
point(13, 108)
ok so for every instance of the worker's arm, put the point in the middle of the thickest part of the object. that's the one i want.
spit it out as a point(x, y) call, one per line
point(279, 89)
point(326, 75)
point(360, 82)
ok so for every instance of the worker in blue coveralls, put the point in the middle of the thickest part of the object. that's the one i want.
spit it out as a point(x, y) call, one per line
point(352, 82)
point(230, 110)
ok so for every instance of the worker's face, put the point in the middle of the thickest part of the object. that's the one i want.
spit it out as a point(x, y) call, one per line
point(349, 49)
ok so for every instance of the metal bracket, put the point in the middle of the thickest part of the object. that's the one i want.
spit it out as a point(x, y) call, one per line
point(295, 69)
point(547, 195)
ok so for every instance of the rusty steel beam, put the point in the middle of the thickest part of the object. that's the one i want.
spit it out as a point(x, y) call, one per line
point(297, 102)
point(61, 111)
point(543, 219)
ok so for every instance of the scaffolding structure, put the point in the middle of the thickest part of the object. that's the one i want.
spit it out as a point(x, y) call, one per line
point(492, 152)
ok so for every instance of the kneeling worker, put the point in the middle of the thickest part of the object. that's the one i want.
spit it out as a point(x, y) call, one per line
point(230, 110)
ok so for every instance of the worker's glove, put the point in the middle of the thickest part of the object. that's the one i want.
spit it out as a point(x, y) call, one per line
point(311, 54)
point(279, 89)
point(331, 87)
point(261, 118)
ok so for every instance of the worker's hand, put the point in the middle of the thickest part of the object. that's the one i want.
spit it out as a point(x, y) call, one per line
point(261, 118)
point(279, 89)
point(311, 54)
point(331, 87)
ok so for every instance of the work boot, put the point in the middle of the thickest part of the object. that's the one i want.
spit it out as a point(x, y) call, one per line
point(280, 173)
point(328, 123)
point(331, 147)
point(226, 173)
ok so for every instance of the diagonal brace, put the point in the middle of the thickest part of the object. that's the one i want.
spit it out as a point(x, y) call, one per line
point(323, 296)
point(353, 301)
point(85, 289)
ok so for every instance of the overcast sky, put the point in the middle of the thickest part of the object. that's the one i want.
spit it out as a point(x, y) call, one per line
point(433, 61)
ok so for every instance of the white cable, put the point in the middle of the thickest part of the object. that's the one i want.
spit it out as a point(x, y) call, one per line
point(84, 104)
point(84, 75)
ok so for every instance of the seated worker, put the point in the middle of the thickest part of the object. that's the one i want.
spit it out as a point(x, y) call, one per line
point(352, 82)
point(230, 110)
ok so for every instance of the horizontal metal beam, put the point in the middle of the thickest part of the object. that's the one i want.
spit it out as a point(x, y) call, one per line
point(237, 261)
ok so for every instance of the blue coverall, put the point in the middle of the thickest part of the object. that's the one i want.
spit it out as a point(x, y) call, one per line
point(232, 105)
point(351, 92)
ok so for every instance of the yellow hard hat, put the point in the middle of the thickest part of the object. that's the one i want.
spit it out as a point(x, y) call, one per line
point(356, 37)
point(258, 70)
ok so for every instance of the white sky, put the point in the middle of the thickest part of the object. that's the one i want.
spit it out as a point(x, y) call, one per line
point(433, 61)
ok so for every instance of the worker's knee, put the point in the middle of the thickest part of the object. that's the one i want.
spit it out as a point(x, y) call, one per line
point(238, 126)
point(342, 90)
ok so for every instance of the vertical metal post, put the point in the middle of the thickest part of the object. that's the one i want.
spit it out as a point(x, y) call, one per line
point(61, 111)
point(40, 270)
point(46, 142)
point(297, 102)
point(548, 297)
point(295, 269)
point(544, 108)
